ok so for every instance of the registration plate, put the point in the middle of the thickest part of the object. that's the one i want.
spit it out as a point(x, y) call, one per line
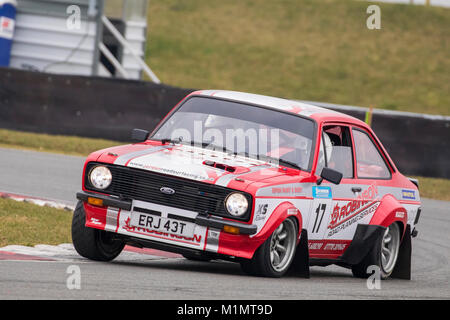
point(161, 224)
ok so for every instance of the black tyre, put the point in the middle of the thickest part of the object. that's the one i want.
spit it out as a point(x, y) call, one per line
point(383, 255)
point(92, 243)
point(274, 257)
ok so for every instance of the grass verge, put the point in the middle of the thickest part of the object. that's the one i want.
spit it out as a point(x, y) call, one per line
point(29, 224)
point(434, 188)
point(319, 50)
point(53, 143)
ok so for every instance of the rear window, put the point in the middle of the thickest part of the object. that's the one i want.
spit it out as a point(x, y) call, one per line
point(369, 162)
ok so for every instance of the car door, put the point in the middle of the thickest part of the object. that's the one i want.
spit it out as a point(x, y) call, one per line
point(356, 198)
point(333, 205)
point(335, 152)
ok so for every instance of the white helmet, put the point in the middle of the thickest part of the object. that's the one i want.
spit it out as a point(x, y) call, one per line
point(328, 146)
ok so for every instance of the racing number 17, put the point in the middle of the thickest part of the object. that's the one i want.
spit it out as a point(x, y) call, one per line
point(320, 211)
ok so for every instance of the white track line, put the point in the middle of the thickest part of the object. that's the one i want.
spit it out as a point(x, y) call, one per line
point(66, 252)
point(37, 201)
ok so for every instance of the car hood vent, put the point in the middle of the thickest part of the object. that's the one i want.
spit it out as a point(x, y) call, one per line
point(219, 165)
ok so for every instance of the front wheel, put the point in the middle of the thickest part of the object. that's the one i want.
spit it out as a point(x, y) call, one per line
point(384, 255)
point(274, 257)
point(92, 243)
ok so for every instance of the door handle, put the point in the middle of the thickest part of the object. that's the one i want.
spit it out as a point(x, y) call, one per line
point(356, 189)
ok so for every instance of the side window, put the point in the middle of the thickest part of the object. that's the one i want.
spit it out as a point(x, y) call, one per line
point(339, 155)
point(369, 162)
point(336, 150)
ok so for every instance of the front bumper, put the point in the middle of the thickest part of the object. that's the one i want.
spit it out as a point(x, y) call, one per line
point(217, 223)
point(107, 201)
point(203, 220)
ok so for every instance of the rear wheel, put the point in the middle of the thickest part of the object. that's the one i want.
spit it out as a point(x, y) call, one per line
point(92, 243)
point(384, 255)
point(274, 257)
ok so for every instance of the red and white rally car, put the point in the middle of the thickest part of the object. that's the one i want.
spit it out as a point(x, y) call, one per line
point(273, 184)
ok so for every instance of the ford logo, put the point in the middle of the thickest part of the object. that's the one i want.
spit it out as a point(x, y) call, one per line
point(167, 190)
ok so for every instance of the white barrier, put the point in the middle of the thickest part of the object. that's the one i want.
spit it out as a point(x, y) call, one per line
point(437, 3)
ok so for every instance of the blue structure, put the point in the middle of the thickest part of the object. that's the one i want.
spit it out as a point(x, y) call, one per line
point(7, 22)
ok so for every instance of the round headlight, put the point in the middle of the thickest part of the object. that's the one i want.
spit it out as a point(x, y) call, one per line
point(100, 177)
point(236, 204)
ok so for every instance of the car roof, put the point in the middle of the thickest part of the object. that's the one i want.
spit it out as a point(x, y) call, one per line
point(307, 110)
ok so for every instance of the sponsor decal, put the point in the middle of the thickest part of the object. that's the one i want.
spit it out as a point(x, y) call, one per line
point(315, 245)
point(173, 172)
point(261, 212)
point(342, 213)
point(321, 192)
point(196, 239)
point(408, 194)
point(95, 221)
point(400, 214)
point(354, 218)
point(335, 246)
point(6, 27)
point(292, 211)
point(287, 190)
point(328, 246)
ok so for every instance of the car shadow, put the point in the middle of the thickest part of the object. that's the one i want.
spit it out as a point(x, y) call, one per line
point(181, 264)
point(226, 268)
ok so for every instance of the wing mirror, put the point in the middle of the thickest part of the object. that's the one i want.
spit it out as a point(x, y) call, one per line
point(139, 135)
point(330, 175)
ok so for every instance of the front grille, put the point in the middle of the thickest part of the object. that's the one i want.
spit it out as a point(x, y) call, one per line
point(131, 183)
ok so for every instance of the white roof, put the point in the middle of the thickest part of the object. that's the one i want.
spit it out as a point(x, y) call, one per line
point(273, 102)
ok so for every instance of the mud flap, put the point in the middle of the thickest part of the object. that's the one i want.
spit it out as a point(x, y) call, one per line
point(300, 265)
point(402, 269)
point(365, 238)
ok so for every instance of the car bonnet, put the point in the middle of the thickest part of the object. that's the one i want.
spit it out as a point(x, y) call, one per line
point(194, 163)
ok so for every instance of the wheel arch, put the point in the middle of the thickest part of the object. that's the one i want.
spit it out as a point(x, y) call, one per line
point(283, 211)
point(390, 211)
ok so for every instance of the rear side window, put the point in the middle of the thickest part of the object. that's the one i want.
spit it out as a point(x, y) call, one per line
point(369, 162)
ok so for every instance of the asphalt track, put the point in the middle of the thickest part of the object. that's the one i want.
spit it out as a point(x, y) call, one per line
point(42, 272)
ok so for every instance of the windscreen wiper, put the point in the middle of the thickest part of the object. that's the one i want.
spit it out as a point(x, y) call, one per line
point(281, 161)
point(289, 163)
point(173, 141)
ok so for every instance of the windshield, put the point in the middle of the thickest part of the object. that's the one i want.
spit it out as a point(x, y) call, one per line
point(236, 128)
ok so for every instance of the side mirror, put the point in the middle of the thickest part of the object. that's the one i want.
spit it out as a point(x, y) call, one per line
point(139, 135)
point(330, 175)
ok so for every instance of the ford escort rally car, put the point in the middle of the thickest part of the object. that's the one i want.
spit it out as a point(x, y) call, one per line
point(273, 184)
